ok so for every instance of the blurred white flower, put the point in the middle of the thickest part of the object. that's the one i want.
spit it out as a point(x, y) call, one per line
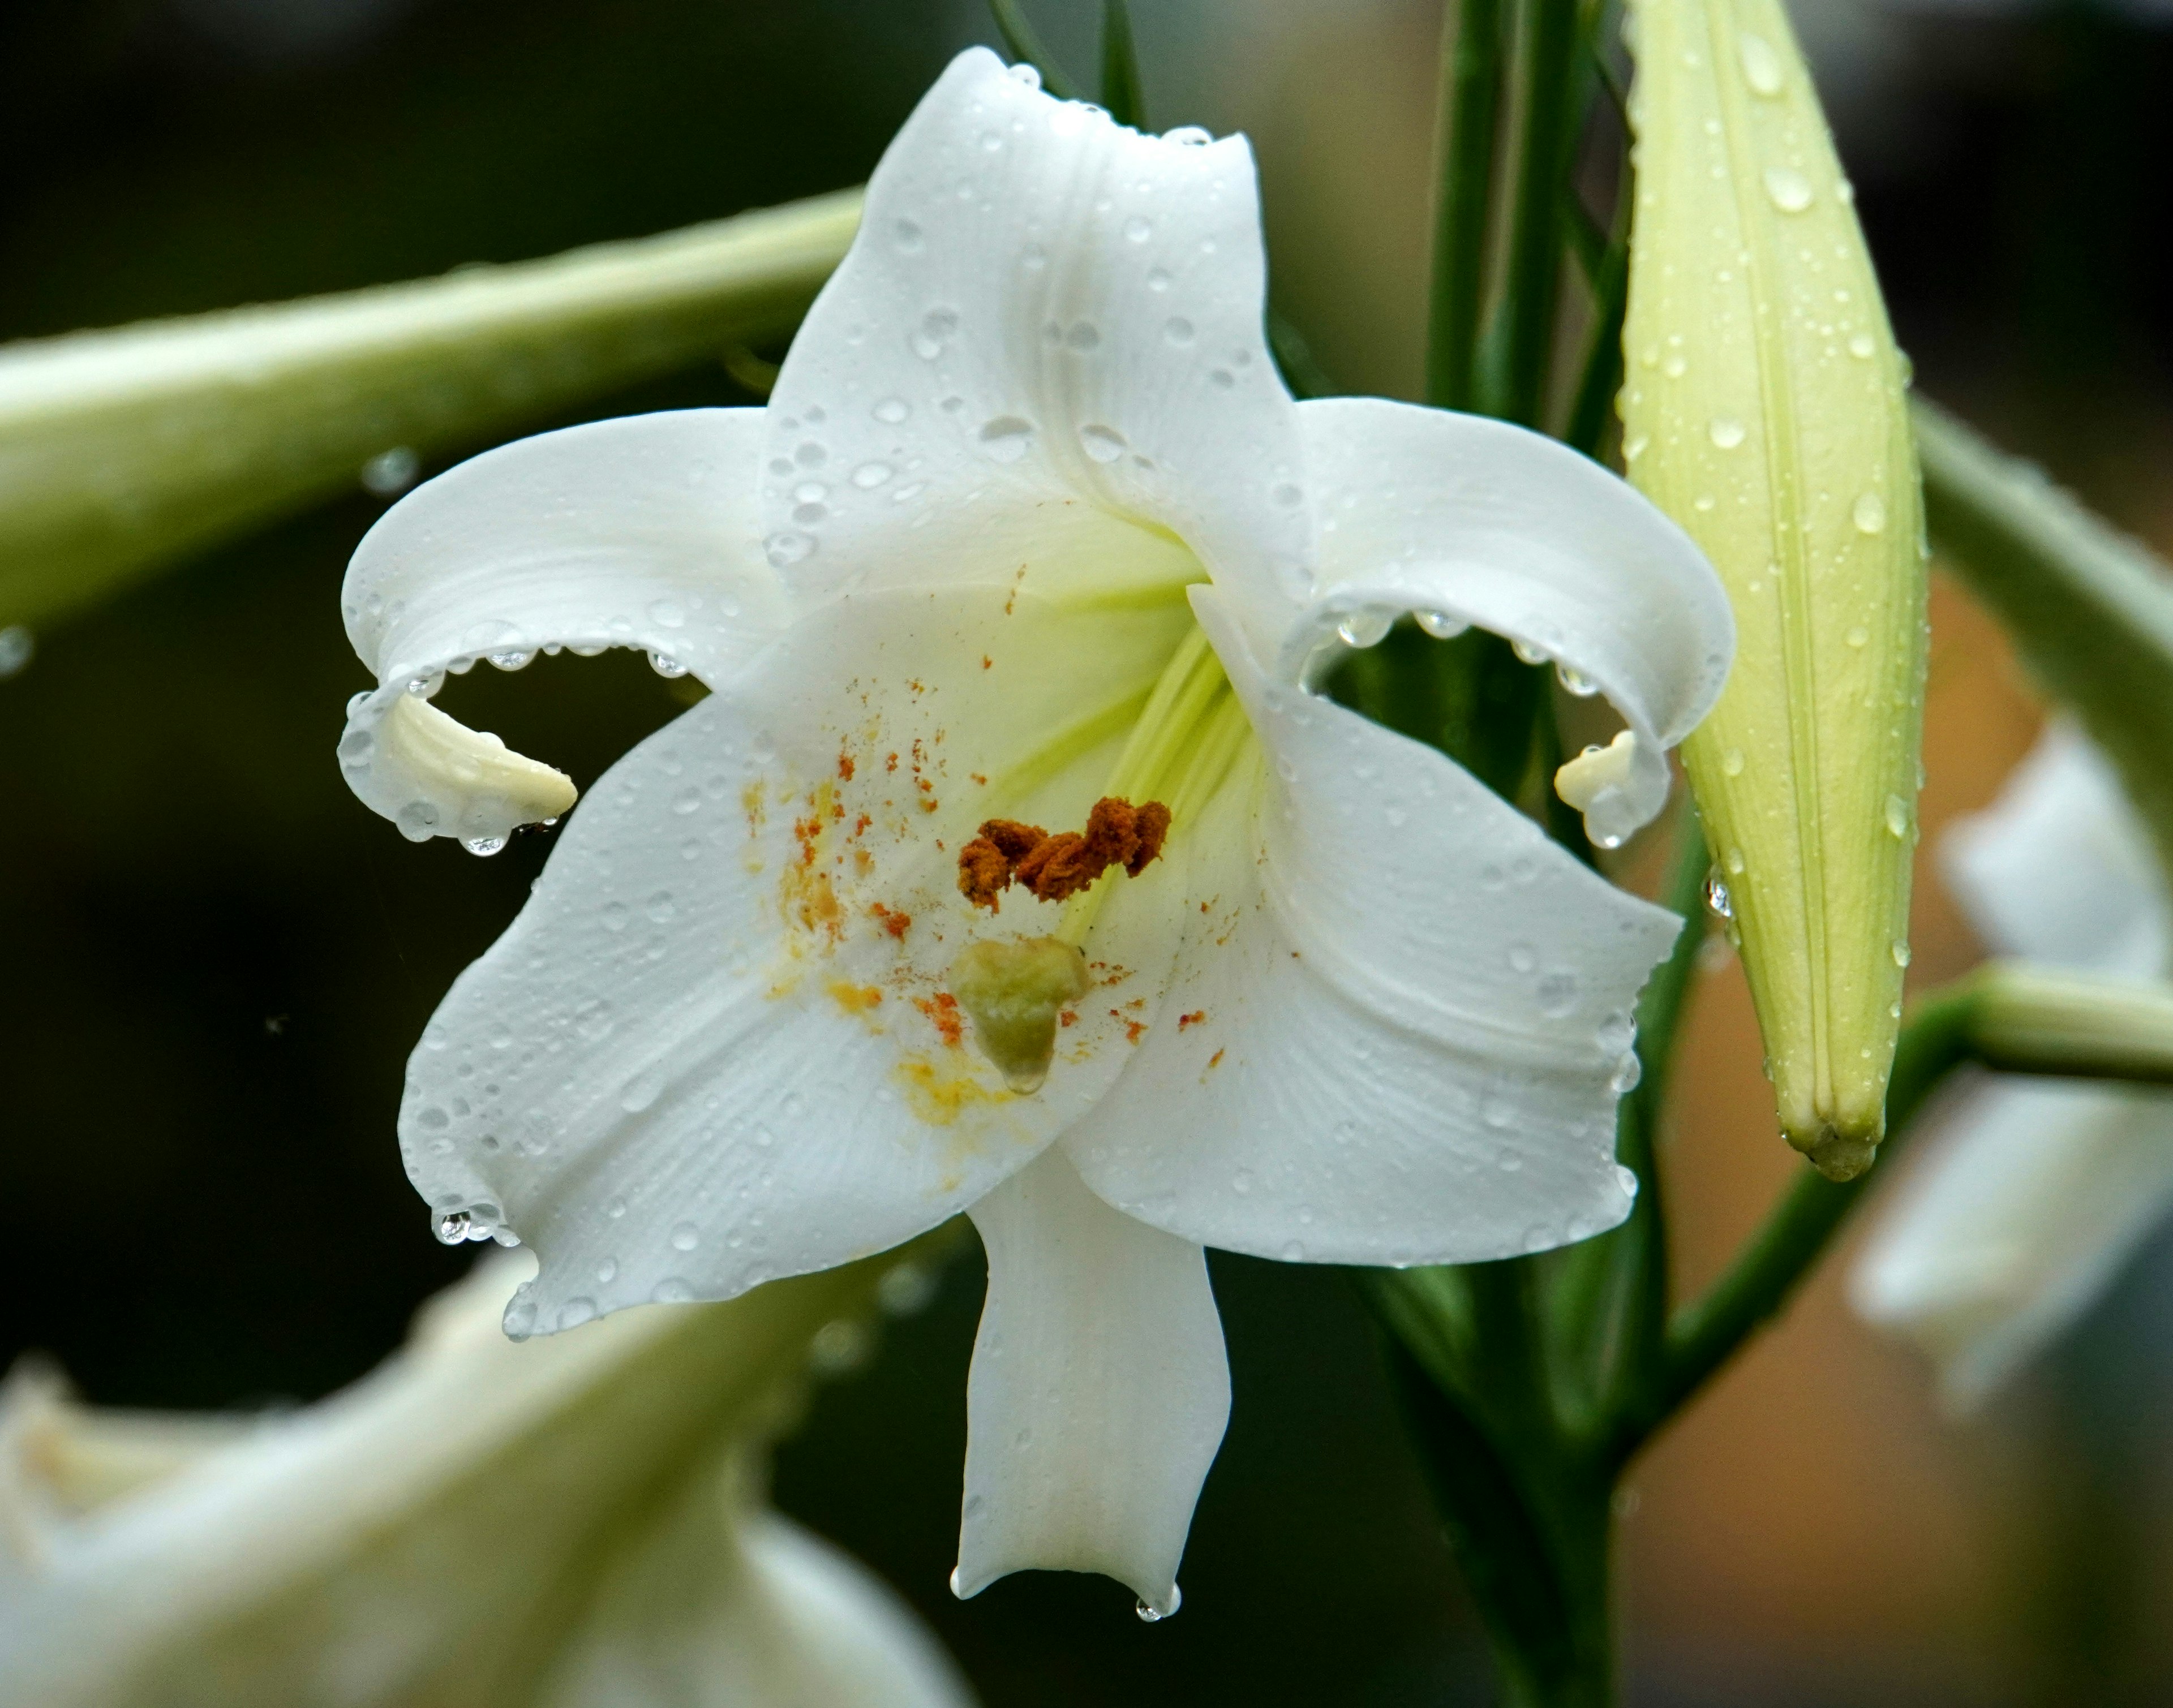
point(1031, 535)
point(571, 1523)
point(2036, 1193)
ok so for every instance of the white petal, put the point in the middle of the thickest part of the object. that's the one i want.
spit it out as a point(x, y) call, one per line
point(1098, 1394)
point(2034, 1193)
point(1396, 1028)
point(2060, 868)
point(704, 1054)
point(1489, 524)
point(1045, 314)
point(715, 1607)
point(2011, 1228)
point(434, 1532)
point(639, 531)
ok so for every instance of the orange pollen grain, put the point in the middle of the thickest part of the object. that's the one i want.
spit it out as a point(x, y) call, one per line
point(846, 767)
point(1195, 1018)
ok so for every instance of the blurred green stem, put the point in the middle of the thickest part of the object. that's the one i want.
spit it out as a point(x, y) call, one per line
point(1469, 117)
point(123, 451)
point(1532, 269)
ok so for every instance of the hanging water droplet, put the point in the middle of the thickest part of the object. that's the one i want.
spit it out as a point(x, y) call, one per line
point(1530, 653)
point(1787, 188)
point(483, 847)
point(1365, 628)
point(511, 660)
point(1440, 625)
point(1901, 948)
point(390, 472)
point(452, 1228)
point(1870, 514)
point(17, 643)
point(423, 687)
point(1715, 895)
point(1575, 681)
point(1628, 1071)
point(668, 668)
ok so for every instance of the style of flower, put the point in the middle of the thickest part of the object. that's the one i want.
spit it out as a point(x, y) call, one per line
point(571, 1523)
point(2039, 1190)
point(1011, 865)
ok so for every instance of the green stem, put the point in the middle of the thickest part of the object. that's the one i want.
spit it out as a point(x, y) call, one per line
point(1024, 45)
point(1532, 275)
point(1470, 116)
point(1121, 67)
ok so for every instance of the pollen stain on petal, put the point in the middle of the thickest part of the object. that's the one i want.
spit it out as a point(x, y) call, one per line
point(938, 1095)
point(1197, 1016)
point(855, 998)
point(943, 1014)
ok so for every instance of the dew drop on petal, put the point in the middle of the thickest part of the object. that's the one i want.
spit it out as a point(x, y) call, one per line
point(1006, 438)
point(1152, 1615)
point(1365, 628)
point(785, 549)
point(1715, 895)
point(870, 475)
point(1628, 1071)
point(892, 411)
point(452, 1228)
point(1731, 763)
point(1102, 443)
point(670, 668)
point(1863, 347)
point(686, 1237)
point(1178, 330)
point(1138, 229)
point(1530, 653)
point(1025, 73)
point(1574, 681)
point(1440, 625)
point(1858, 636)
point(575, 1312)
point(1787, 188)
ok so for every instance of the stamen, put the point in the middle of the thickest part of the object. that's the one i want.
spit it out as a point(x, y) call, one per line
point(1056, 868)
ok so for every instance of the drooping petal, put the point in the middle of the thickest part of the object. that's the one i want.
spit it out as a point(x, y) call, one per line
point(1400, 1015)
point(1491, 524)
point(1098, 1394)
point(1045, 314)
point(639, 531)
point(719, 1043)
point(471, 1521)
point(2011, 1229)
point(2034, 1194)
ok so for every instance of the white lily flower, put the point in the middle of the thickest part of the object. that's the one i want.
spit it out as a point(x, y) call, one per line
point(1030, 536)
point(2039, 1190)
point(573, 1523)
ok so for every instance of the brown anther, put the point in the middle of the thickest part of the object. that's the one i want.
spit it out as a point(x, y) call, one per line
point(1151, 822)
point(1112, 836)
point(1060, 867)
point(983, 872)
point(1017, 840)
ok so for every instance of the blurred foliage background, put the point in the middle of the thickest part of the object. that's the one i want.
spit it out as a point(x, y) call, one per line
point(215, 960)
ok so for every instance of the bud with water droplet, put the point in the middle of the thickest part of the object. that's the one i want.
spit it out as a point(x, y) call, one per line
point(1766, 397)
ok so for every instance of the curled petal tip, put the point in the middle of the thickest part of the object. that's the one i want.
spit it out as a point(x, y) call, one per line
point(466, 782)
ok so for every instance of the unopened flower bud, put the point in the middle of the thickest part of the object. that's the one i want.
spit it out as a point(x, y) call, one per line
point(1764, 411)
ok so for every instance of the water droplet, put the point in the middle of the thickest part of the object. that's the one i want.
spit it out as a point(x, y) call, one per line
point(686, 1237)
point(390, 472)
point(1530, 653)
point(1523, 958)
point(1863, 347)
point(668, 668)
point(452, 1228)
point(483, 846)
point(1901, 948)
point(892, 411)
point(908, 237)
point(1151, 1614)
point(1365, 628)
point(671, 1290)
point(870, 475)
point(785, 550)
point(1725, 431)
point(1293, 1251)
point(1731, 763)
point(1628, 1071)
point(1178, 330)
point(18, 644)
point(1633, 447)
point(1675, 367)
point(1870, 514)
point(607, 1271)
point(1897, 817)
point(1715, 895)
point(1102, 443)
point(575, 1312)
point(1858, 636)
point(1083, 337)
point(511, 660)
point(1761, 65)
point(1787, 188)
point(425, 686)
point(1440, 625)
point(1575, 681)
point(1158, 278)
point(1187, 137)
point(1138, 230)
point(1007, 438)
point(1025, 73)
point(1242, 1182)
point(418, 821)
point(1558, 994)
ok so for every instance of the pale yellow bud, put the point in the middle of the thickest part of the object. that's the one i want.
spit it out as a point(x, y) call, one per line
point(1763, 409)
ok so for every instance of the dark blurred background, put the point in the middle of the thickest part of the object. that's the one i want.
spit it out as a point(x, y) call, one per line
point(215, 960)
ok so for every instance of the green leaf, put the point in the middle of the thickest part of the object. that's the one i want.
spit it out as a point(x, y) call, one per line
point(123, 452)
point(1121, 67)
